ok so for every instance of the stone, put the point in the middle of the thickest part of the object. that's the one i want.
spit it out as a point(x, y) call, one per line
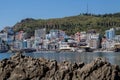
point(20, 67)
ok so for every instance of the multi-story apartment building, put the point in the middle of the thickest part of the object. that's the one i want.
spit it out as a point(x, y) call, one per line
point(54, 33)
point(93, 40)
point(40, 35)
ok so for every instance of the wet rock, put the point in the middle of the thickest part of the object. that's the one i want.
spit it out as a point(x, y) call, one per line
point(81, 64)
point(20, 67)
point(97, 70)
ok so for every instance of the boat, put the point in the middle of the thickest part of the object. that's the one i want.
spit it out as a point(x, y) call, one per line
point(28, 50)
point(65, 47)
point(80, 50)
point(103, 51)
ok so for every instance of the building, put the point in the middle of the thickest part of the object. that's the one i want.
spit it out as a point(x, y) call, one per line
point(40, 35)
point(94, 43)
point(54, 34)
point(83, 36)
point(77, 36)
point(30, 43)
point(3, 46)
point(117, 38)
point(20, 35)
point(17, 44)
point(107, 44)
point(93, 40)
point(24, 44)
point(62, 34)
point(110, 34)
point(3, 36)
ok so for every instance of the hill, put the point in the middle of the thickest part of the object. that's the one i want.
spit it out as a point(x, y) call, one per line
point(72, 24)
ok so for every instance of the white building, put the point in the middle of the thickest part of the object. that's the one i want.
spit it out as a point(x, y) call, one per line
point(108, 44)
point(93, 40)
point(30, 43)
point(117, 38)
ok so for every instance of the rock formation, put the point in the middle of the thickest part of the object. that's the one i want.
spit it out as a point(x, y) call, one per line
point(20, 67)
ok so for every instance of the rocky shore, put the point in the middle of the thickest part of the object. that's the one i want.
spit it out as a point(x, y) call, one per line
point(20, 67)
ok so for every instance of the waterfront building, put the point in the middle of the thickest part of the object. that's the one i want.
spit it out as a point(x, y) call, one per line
point(17, 44)
point(83, 36)
point(3, 46)
point(53, 46)
point(24, 44)
point(30, 43)
point(117, 38)
point(27, 43)
point(64, 46)
point(45, 44)
point(0, 41)
point(80, 37)
point(91, 36)
point(10, 39)
point(6, 40)
point(93, 40)
point(94, 43)
point(110, 34)
point(77, 36)
point(40, 35)
point(107, 44)
point(3, 36)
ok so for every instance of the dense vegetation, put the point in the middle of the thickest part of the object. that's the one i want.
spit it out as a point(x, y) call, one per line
point(82, 22)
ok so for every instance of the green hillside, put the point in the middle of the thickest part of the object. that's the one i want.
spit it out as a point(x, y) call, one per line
point(72, 24)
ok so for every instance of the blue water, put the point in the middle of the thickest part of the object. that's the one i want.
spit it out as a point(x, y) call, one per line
point(87, 57)
point(5, 55)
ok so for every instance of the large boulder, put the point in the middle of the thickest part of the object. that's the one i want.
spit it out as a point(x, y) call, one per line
point(20, 67)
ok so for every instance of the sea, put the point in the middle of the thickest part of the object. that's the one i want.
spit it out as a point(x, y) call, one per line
point(86, 57)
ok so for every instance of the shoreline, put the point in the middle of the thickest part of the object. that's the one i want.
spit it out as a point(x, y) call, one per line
point(58, 51)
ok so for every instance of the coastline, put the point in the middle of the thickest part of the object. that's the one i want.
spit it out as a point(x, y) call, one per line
point(58, 51)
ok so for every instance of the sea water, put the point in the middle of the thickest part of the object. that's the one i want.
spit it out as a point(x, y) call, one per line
point(86, 57)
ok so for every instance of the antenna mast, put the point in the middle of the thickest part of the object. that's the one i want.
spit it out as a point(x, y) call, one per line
point(87, 8)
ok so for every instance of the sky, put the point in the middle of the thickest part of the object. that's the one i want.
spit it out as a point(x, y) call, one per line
point(13, 11)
